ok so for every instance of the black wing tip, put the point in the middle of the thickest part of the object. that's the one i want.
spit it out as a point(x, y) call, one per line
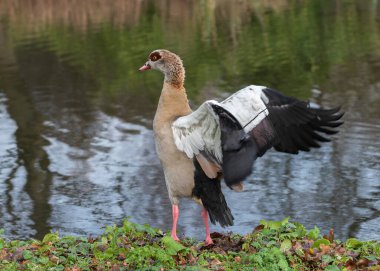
point(328, 118)
point(331, 112)
point(303, 127)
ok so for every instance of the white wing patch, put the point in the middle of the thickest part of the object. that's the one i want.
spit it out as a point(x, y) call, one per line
point(198, 132)
point(247, 106)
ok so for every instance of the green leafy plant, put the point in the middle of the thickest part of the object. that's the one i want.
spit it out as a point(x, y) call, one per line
point(273, 245)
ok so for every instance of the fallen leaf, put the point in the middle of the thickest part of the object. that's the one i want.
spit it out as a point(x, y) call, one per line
point(215, 262)
point(325, 249)
point(102, 248)
point(191, 259)
point(17, 255)
point(259, 228)
point(216, 235)
point(362, 262)
point(54, 259)
point(330, 236)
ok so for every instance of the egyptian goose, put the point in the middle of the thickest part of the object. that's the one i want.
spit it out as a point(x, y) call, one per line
point(223, 139)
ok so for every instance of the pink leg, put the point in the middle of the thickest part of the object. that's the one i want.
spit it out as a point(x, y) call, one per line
point(175, 211)
point(208, 240)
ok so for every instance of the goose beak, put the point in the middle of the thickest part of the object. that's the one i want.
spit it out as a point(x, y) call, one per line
point(145, 67)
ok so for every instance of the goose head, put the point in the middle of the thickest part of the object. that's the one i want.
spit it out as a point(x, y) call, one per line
point(169, 64)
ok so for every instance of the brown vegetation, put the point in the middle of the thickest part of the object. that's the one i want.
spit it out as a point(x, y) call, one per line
point(81, 14)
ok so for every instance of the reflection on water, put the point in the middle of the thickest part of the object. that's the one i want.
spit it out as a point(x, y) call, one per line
point(76, 143)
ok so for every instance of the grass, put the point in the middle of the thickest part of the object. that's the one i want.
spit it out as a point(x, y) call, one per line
point(280, 245)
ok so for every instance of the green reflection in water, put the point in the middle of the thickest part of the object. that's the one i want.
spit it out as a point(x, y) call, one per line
point(291, 49)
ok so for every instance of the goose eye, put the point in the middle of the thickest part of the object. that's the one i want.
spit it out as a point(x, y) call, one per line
point(155, 56)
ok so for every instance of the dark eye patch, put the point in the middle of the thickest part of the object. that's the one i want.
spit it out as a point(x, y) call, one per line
point(155, 56)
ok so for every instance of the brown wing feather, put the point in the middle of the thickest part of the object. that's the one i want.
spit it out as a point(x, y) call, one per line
point(210, 168)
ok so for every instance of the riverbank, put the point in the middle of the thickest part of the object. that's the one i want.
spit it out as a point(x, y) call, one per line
point(281, 245)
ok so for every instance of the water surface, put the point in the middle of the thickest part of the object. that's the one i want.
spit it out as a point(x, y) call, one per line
point(76, 143)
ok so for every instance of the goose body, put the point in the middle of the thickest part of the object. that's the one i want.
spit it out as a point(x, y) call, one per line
point(177, 166)
point(221, 140)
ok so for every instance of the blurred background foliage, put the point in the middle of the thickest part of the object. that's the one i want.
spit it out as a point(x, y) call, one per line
point(287, 44)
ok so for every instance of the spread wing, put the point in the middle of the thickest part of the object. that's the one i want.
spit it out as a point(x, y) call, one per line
point(241, 128)
point(199, 132)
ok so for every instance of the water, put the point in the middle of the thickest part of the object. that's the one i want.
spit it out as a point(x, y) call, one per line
point(76, 143)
